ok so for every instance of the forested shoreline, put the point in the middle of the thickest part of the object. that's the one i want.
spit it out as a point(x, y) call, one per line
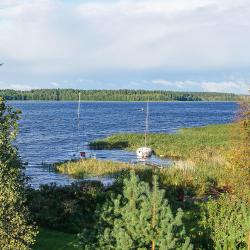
point(114, 95)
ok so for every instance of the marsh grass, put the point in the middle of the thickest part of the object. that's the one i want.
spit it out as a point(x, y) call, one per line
point(92, 167)
point(181, 145)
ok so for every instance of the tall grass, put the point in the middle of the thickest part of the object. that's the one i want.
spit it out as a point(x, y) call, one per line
point(93, 167)
point(180, 145)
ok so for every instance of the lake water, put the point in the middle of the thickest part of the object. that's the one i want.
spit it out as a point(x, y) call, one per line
point(48, 130)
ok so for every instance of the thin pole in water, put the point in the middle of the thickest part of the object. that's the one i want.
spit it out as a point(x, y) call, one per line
point(146, 125)
point(78, 119)
point(78, 110)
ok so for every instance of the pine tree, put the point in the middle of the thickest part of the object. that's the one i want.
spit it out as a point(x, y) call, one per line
point(139, 219)
point(15, 230)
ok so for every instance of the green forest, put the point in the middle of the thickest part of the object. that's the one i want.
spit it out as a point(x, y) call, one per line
point(115, 95)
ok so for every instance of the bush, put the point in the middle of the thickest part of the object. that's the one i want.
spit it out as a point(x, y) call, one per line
point(16, 228)
point(226, 222)
point(66, 208)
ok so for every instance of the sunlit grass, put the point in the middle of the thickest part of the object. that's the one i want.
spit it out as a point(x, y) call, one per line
point(93, 167)
point(184, 144)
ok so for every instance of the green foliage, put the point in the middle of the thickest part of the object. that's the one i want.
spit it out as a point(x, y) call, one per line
point(115, 95)
point(227, 222)
point(16, 231)
point(66, 208)
point(140, 218)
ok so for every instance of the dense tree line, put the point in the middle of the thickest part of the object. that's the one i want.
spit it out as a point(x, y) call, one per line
point(115, 95)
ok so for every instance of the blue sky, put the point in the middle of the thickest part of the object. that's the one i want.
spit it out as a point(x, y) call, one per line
point(195, 45)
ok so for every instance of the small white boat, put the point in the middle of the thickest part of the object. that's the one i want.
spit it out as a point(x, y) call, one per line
point(145, 152)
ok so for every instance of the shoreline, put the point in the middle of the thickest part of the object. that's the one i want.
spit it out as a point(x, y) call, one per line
point(93, 101)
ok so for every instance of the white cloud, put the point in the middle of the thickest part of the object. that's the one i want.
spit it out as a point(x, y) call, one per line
point(55, 84)
point(52, 37)
point(17, 86)
point(240, 87)
point(49, 35)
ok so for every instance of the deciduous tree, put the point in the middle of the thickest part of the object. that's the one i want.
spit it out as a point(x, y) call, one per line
point(16, 231)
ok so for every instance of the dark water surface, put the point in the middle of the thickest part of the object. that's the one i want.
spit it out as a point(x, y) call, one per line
point(48, 130)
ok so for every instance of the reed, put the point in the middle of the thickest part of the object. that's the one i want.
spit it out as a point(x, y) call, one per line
point(182, 145)
point(93, 167)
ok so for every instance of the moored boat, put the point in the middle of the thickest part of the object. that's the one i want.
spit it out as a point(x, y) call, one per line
point(145, 151)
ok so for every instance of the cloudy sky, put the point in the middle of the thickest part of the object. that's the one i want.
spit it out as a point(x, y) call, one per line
point(194, 45)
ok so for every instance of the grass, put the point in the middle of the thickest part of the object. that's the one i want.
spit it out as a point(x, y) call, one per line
point(93, 167)
point(54, 240)
point(180, 145)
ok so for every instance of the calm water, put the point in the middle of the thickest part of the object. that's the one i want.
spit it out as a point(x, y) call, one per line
point(48, 130)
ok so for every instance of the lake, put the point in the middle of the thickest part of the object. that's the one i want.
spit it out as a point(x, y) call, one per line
point(48, 130)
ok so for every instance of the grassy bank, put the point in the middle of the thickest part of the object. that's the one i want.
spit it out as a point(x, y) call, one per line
point(50, 239)
point(184, 144)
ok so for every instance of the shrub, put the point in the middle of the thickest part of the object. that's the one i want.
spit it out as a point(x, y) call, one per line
point(66, 208)
point(227, 222)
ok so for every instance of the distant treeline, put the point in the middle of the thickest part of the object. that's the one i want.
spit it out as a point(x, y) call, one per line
point(115, 95)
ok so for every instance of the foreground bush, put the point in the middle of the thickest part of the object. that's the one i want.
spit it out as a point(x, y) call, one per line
point(140, 218)
point(227, 223)
point(66, 208)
